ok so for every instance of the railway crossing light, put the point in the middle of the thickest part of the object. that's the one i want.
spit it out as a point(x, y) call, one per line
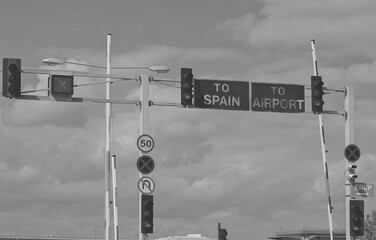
point(147, 205)
point(317, 93)
point(351, 169)
point(11, 77)
point(186, 86)
point(356, 218)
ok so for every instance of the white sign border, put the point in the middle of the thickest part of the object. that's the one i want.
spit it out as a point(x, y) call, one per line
point(138, 143)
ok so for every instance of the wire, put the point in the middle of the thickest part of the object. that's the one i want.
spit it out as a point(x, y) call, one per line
point(167, 84)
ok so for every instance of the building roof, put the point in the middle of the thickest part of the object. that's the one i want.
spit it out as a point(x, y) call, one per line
point(309, 234)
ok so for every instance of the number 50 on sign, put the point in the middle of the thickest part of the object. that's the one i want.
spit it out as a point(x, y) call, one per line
point(145, 143)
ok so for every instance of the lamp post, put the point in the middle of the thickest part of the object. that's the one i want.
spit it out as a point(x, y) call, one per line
point(58, 61)
point(144, 126)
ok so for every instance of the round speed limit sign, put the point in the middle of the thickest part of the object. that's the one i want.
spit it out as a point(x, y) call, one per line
point(145, 143)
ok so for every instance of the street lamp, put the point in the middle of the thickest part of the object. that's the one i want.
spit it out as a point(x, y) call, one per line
point(58, 61)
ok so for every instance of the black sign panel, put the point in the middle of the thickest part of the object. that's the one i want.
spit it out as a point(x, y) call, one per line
point(217, 94)
point(270, 97)
point(62, 84)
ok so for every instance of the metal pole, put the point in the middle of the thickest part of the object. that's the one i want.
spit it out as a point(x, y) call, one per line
point(323, 148)
point(114, 198)
point(144, 128)
point(108, 144)
point(219, 229)
point(349, 139)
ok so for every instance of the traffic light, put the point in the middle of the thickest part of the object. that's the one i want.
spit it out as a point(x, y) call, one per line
point(351, 170)
point(147, 213)
point(11, 77)
point(222, 233)
point(317, 93)
point(186, 86)
point(356, 217)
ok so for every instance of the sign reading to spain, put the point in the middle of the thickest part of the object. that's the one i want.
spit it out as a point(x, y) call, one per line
point(269, 97)
point(217, 94)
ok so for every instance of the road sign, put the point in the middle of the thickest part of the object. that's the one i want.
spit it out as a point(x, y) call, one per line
point(145, 164)
point(226, 95)
point(146, 185)
point(363, 190)
point(270, 97)
point(352, 152)
point(145, 143)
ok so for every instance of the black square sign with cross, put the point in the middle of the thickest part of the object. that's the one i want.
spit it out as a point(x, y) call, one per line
point(62, 84)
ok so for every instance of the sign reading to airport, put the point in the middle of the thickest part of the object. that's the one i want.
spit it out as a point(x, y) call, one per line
point(270, 97)
point(218, 94)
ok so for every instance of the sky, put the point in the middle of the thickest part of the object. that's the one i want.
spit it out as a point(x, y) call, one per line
point(256, 173)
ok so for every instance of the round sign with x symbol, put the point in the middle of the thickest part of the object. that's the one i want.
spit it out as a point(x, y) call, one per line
point(352, 153)
point(145, 164)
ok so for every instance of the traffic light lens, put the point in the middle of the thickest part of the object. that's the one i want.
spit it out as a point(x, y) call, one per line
point(13, 68)
point(188, 76)
point(356, 210)
point(187, 96)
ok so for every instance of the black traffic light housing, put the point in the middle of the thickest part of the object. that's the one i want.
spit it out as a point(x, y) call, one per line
point(317, 93)
point(222, 233)
point(11, 77)
point(356, 218)
point(147, 214)
point(186, 86)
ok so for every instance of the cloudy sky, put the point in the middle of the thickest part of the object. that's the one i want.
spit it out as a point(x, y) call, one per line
point(256, 173)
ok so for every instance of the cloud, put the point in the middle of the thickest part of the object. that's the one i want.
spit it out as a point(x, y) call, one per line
point(338, 28)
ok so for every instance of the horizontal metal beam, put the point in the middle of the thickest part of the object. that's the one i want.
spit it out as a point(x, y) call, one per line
point(164, 80)
point(74, 73)
point(78, 100)
point(165, 104)
point(342, 113)
point(342, 90)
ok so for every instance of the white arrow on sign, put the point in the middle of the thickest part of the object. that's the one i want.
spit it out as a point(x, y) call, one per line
point(146, 185)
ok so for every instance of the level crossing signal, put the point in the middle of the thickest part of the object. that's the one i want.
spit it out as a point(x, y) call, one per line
point(317, 93)
point(356, 218)
point(186, 86)
point(11, 77)
point(147, 214)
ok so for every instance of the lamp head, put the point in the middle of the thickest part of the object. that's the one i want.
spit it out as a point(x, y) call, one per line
point(53, 61)
point(159, 69)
